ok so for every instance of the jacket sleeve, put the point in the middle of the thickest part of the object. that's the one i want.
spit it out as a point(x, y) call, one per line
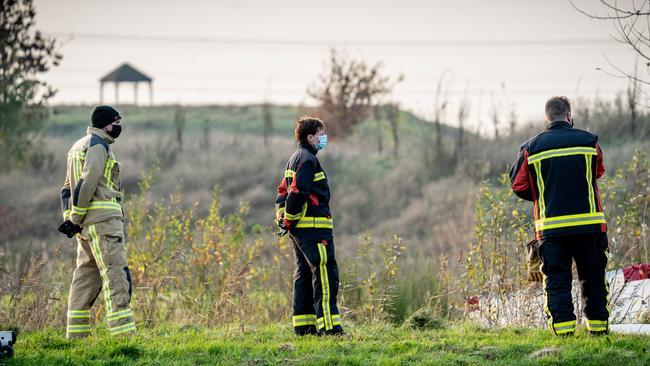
point(299, 190)
point(600, 166)
point(84, 191)
point(520, 176)
point(281, 199)
point(65, 198)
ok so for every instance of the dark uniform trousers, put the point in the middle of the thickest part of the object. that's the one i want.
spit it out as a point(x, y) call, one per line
point(590, 254)
point(315, 286)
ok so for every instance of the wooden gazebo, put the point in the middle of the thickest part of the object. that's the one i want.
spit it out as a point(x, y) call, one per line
point(125, 73)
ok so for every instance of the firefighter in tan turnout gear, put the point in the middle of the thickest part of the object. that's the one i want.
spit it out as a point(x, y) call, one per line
point(92, 211)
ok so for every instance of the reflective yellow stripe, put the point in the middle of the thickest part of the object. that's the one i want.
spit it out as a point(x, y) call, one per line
point(565, 327)
point(315, 222)
point(119, 315)
point(561, 152)
point(597, 325)
point(97, 205)
point(325, 287)
point(319, 176)
point(66, 214)
point(302, 320)
point(569, 220)
point(540, 189)
point(289, 216)
point(547, 310)
point(78, 210)
point(78, 328)
point(279, 213)
point(289, 173)
point(592, 206)
point(103, 270)
point(77, 312)
point(123, 328)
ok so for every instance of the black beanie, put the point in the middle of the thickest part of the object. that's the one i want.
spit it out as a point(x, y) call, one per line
point(104, 115)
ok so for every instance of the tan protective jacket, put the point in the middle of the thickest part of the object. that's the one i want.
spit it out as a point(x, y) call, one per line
point(91, 192)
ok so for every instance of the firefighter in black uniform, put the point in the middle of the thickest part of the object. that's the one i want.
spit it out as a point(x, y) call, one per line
point(557, 170)
point(302, 208)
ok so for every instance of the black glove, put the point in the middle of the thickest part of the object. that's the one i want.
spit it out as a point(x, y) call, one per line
point(69, 228)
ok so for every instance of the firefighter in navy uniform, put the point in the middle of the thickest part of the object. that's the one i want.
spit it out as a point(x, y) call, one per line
point(302, 208)
point(557, 170)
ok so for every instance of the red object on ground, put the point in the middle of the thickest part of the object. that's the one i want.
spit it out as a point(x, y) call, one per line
point(637, 272)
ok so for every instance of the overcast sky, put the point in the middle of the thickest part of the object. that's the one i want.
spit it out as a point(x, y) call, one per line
point(508, 53)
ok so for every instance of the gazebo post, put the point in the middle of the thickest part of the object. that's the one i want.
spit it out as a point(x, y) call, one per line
point(117, 88)
point(150, 93)
point(135, 93)
point(101, 92)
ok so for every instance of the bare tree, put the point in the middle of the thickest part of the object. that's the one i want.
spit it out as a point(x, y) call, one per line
point(179, 125)
point(632, 99)
point(394, 118)
point(440, 107)
point(463, 113)
point(267, 116)
point(496, 120)
point(377, 115)
point(347, 92)
point(631, 22)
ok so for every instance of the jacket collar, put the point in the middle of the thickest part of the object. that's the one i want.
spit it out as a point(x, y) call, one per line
point(556, 125)
point(309, 147)
point(101, 133)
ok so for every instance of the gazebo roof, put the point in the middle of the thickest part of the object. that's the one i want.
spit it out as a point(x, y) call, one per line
point(125, 72)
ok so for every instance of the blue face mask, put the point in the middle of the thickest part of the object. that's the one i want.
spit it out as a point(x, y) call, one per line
point(322, 142)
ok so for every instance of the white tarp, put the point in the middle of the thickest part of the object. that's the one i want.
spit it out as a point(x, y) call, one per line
point(628, 302)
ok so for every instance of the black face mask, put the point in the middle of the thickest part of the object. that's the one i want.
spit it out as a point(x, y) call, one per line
point(115, 132)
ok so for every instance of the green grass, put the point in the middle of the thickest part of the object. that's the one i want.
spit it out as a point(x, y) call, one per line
point(379, 345)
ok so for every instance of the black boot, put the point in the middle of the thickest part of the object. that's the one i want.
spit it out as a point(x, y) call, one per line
point(305, 330)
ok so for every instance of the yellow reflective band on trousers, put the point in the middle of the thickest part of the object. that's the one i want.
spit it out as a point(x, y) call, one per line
point(315, 222)
point(119, 315)
point(78, 314)
point(289, 173)
point(546, 308)
point(336, 320)
point(78, 328)
point(569, 220)
point(325, 287)
point(597, 325)
point(302, 320)
point(129, 327)
point(580, 150)
point(103, 270)
point(565, 327)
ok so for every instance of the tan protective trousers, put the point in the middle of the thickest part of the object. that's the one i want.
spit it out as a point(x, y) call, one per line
point(101, 266)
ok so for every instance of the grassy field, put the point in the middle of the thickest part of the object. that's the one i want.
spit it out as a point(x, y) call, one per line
point(461, 344)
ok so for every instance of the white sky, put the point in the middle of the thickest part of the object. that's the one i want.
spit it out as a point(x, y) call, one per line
point(245, 51)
